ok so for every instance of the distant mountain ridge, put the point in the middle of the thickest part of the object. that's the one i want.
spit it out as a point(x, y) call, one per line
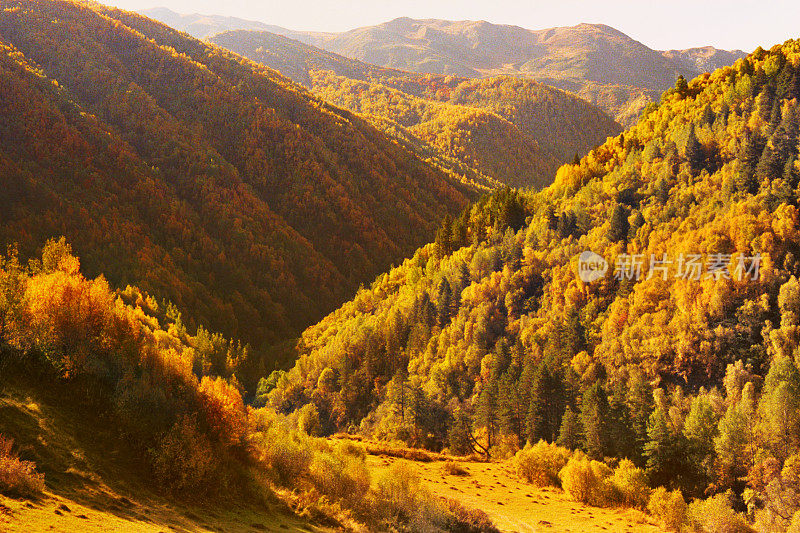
point(296, 59)
point(602, 64)
point(486, 132)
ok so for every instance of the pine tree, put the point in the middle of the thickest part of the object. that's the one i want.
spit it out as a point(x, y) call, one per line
point(700, 429)
point(785, 84)
point(769, 165)
point(618, 230)
point(512, 408)
point(779, 408)
point(570, 434)
point(444, 237)
point(459, 436)
point(681, 86)
point(546, 407)
point(487, 412)
point(640, 405)
point(737, 443)
point(694, 152)
point(663, 451)
point(749, 156)
point(708, 115)
point(623, 436)
point(594, 421)
point(444, 302)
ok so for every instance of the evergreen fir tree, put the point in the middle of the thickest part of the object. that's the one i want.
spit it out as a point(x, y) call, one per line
point(619, 224)
point(570, 435)
point(594, 421)
point(694, 152)
point(546, 406)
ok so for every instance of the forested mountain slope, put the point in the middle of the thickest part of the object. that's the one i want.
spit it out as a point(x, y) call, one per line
point(295, 59)
point(206, 179)
point(492, 329)
point(488, 132)
point(204, 26)
point(602, 64)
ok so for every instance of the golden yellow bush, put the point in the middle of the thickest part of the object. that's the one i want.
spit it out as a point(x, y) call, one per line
point(587, 481)
point(668, 507)
point(540, 464)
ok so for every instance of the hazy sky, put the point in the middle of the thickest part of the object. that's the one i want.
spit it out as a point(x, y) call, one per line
point(661, 25)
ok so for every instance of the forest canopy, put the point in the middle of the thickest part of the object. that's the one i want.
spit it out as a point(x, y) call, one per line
point(488, 338)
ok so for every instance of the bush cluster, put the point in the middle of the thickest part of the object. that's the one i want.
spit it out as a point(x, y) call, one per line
point(17, 477)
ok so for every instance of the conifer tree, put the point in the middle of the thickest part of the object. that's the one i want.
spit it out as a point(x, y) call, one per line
point(736, 444)
point(700, 429)
point(621, 431)
point(444, 302)
point(619, 224)
point(681, 86)
point(640, 405)
point(487, 412)
point(694, 152)
point(594, 421)
point(546, 406)
point(570, 434)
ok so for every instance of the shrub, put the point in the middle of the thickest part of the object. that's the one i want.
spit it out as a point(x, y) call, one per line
point(340, 476)
point(629, 485)
point(17, 477)
point(715, 515)
point(287, 455)
point(348, 447)
point(224, 410)
point(506, 446)
point(400, 498)
point(540, 464)
point(183, 458)
point(465, 520)
point(452, 468)
point(668, 507)
point(587, 481)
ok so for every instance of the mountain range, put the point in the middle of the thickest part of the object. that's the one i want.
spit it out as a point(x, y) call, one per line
point(467, 127)
point(206, 179)
point(602, 64)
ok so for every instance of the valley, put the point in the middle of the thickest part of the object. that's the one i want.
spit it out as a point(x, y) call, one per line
point(420, 276)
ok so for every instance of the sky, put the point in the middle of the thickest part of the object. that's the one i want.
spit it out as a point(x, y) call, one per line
point(728, 24)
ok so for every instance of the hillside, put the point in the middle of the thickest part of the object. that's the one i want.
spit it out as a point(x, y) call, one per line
point(96, 481)
point(489, 338)
point(112, 415)
point(593, 60)
point(204, 26)
point(208, 180)
point(294, 59)
point(601, 64)
point(468, 128)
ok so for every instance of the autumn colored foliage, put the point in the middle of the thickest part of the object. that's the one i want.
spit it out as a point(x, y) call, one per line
point(695, 381)
point(198, 176)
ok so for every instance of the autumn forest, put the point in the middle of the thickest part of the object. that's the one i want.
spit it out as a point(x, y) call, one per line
point(262, 279)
